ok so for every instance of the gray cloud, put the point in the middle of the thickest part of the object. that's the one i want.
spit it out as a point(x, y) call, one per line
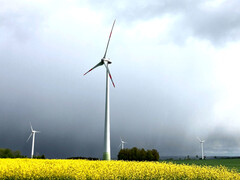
point(19, 20)
point(221, 141)
point(218, 24)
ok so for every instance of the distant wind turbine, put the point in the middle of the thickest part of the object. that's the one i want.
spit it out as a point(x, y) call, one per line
point(201, 142)
point(105, 61)
point(122, 143)
point(33, 139)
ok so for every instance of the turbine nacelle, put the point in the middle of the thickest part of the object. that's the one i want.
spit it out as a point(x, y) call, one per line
point(201, 141)
point(122, 141)
point(106, 61)
point(35, 131)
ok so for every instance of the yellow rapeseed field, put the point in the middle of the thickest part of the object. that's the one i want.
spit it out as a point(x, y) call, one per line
point(84, 169)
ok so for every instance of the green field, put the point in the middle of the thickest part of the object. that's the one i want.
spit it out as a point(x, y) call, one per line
point(229, 163)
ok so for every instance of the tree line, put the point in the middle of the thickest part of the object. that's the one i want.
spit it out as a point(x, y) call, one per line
point(88, 158)
point(8, 153)
point(136, 154)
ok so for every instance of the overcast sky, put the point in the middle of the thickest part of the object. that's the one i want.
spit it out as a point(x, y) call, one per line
point(175, 64)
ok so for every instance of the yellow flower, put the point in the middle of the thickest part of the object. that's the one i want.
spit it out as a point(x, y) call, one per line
point(84, 169)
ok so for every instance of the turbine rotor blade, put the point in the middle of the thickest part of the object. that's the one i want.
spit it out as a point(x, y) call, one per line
point(31, 126)
point(109, 74)
point(99, 64)
point(37, 131)
point(29, 137)
point(109, 39)
point(199, 139)
point(111, 79)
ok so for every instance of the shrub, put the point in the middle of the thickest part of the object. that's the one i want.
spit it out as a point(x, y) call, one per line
point(136, 154)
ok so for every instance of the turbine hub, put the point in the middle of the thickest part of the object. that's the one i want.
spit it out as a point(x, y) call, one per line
point(106, 60)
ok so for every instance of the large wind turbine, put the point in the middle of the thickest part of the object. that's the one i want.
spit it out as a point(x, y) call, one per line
point(104, 61)
point(33, 139)
point(122, 143)
point(201, 142)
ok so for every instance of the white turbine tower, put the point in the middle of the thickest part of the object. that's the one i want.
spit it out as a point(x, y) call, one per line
point(33, 139)
point(122, 143)
point(104, 61)
point(201, 143)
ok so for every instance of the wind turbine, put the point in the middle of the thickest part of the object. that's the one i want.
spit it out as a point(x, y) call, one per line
point(105, 61)
point(122, 143)
point(33, 138)
point(201, 142)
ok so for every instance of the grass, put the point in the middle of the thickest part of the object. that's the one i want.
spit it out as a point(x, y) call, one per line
point(229, 163)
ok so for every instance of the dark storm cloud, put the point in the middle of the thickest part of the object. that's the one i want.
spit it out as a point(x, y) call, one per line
point(220, 136)
point(222, 141)
point(218, 24)
point(154, 105)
